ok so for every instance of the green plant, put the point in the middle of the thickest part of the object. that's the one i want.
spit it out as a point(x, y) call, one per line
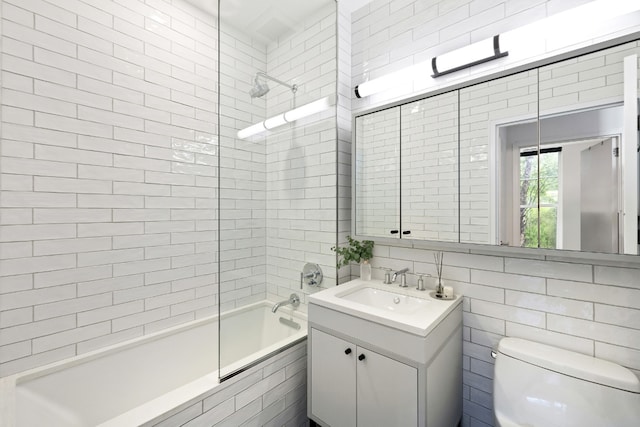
point(356, 251)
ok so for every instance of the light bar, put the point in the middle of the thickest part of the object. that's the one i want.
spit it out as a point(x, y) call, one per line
point(275, 121)
point(468, 56)
point(308, 109)
point(251, 130)
point(288, 117)
point(559, 30)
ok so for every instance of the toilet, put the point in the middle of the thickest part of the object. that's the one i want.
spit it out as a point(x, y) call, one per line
point(536, 385)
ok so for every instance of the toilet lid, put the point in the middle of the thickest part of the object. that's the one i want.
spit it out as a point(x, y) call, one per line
point(570, 363)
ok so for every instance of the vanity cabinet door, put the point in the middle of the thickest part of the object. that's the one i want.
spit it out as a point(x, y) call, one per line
point(352, 385)
point(333, 379)
point(387, 391)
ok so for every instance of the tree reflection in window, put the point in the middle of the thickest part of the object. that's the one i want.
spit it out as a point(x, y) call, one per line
point(539, 218)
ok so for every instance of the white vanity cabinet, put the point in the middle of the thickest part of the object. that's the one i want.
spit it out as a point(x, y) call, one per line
point(355, 386)
point(371, 366)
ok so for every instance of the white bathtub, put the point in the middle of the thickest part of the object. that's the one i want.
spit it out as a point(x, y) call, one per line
point(137, 381)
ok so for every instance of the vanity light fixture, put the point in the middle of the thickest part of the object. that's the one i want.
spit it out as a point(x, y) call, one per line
point(306, 110)
point(468, 56)
point(589, 14)
point(450, 62)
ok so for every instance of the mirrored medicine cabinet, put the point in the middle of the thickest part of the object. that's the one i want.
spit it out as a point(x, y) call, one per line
point(544, 158)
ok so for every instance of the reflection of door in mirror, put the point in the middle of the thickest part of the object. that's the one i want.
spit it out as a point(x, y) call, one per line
point(377, 174)
point(599, 205)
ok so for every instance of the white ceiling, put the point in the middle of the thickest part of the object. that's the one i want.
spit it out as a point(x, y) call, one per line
point(264, 20)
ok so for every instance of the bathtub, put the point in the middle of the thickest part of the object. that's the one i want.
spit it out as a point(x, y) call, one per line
point(135, 382)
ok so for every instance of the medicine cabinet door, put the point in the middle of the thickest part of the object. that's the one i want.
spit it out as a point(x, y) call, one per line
point(429, 168)
point(499, 160)
point(376, 174)
point(589, 185)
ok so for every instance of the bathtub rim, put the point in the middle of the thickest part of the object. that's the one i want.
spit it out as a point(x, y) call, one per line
point(9, 383)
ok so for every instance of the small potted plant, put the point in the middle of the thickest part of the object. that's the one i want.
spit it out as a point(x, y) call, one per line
point(359, 252)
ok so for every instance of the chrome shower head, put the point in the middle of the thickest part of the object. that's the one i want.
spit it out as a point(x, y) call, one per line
point(259, 89)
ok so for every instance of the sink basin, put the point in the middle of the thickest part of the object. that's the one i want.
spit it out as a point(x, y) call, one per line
point(384, 300)
point(405, 309)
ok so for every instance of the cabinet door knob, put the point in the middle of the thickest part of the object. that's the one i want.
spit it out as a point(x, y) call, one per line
point(394, 231)
point(406, 232)
point(347, 351)
point(361, 357)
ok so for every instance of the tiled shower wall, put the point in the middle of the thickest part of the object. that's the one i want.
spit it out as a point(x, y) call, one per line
point(301, 159)
point(583, 305)
point(277, 189)
point(343, 147)
point(108, 169)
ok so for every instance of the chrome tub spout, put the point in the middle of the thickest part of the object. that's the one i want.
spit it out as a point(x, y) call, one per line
point(293, 300)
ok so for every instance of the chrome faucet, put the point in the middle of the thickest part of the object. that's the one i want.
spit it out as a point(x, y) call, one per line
point(403, 277)
point(293, 300)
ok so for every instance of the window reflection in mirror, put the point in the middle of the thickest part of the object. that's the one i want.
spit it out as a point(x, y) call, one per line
point(538, 223)
point(568, 195)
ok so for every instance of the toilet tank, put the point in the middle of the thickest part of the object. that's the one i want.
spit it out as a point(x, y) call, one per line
point(539, 385)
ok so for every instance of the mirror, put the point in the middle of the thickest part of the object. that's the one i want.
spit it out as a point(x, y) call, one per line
point(548, 158)
point(486, 110)
point(429, 163)
point(377, 174)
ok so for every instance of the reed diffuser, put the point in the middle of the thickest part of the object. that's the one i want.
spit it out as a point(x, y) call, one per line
point(437, 257)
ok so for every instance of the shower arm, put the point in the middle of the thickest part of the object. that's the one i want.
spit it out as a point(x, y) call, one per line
point(293, 88)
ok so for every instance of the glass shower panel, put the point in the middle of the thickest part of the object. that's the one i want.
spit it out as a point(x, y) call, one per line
point(498, 123)
point(277, 111)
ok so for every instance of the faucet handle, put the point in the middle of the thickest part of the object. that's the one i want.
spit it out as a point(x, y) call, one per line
point(421, 280)
point(311, 275)
point(403, 280)
point(387, 275)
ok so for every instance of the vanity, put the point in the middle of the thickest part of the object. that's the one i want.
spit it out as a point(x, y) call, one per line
point(381, 355)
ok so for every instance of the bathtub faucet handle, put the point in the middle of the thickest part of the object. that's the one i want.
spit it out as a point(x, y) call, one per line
point(311, 275)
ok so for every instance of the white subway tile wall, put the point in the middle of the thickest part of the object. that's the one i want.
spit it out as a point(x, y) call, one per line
point(108, 126)
point(278, 192)
point(343, 149)
point(584, 306)
point(300, 174)
point(580, 312)
point(389, 36)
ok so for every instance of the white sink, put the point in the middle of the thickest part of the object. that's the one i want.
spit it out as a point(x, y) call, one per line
point(384, 300)
point(406, 309)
